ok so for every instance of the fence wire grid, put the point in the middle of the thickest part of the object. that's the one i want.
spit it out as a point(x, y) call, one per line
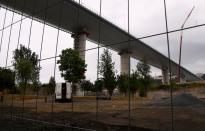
point(30, 111)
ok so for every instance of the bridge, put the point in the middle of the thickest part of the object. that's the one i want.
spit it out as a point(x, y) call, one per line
point(84, 25)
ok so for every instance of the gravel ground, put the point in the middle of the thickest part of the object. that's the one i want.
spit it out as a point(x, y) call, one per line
point(27, 125)
point(146, 113)
point(181, 100)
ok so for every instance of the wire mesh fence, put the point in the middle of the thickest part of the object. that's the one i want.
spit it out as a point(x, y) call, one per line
point(36, 109)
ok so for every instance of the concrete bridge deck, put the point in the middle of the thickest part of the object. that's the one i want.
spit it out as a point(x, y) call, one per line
point(75, 17)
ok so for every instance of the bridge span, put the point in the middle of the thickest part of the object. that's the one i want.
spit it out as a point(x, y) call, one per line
point(84, 24)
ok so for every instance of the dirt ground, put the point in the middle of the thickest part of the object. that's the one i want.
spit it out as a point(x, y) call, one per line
point(112, 114)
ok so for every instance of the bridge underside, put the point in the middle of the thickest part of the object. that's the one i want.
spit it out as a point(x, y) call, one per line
point(75, 18)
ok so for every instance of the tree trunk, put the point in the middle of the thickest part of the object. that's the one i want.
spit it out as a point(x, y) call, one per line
point(46, 99)
point(74, 87)
point(2, 96)
point(110, 94)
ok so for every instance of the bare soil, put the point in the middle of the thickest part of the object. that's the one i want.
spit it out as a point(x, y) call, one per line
point(113, 114)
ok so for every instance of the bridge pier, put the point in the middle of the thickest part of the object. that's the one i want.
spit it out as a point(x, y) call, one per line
point(80, 45)
point(125, 62)
point(165, 76)
point(80, 42)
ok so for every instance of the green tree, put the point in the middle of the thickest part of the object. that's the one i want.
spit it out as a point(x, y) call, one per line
point(49, 88)
point(52, 85)
point(143, 69)
point(107, 71)
point(72, 67)
point(123, 84)
point(26, 66)
point(134, 82)
point(145, 78)
point(7, 79)
point(86, 85)
point(35, 86)
point(98, 85)
point(45, 88)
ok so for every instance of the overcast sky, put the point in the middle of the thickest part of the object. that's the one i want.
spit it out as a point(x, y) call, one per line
point(146, 18)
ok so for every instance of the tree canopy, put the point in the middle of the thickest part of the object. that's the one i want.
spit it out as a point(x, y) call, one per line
point(135, 83)
point(123, 83)
point(87, 85)
point(143, 69)
point(26, 66)
point(107, 71)
point(72, 67)
point(139, 80)
point(145, 78)
point(98, 85)
point(51, 86)
point(7, 79)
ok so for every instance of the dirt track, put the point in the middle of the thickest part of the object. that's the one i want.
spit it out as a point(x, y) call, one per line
point(113, 115)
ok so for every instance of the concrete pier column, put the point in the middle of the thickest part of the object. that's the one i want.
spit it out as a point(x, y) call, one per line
point(165, 76)
point(80, 45)
point(125, 61)
point(80, 42)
